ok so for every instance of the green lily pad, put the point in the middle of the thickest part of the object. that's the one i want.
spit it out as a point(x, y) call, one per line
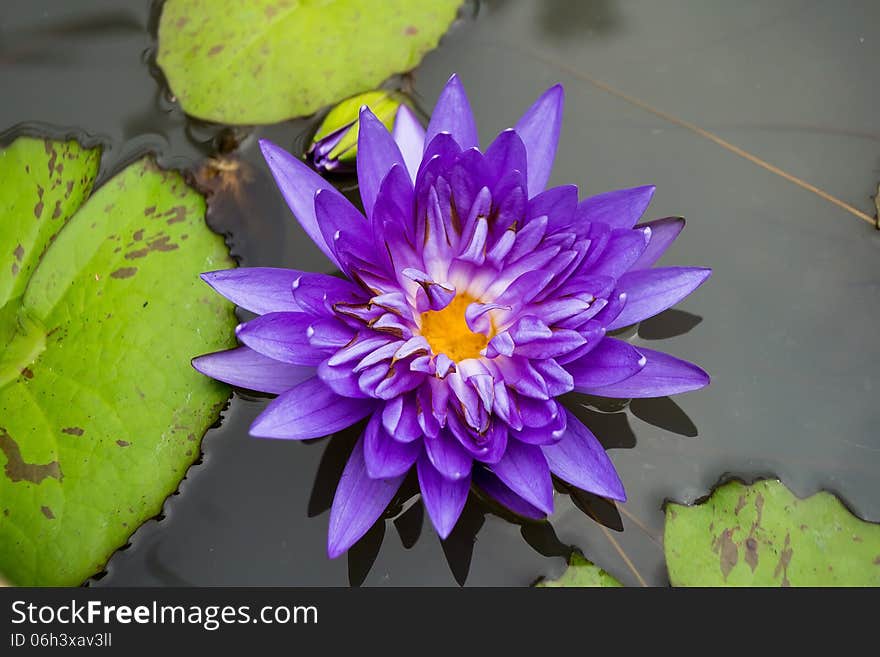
point(581, 573)
point(100, 411)
point(263, 61)
point(762, 535)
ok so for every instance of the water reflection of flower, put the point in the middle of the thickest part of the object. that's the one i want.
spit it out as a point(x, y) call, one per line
point(473, 298)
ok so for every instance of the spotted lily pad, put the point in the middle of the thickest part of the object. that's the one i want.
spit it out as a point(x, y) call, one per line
point(100, 411)
point(762, 535)
point(581, 573)
point(263, 61)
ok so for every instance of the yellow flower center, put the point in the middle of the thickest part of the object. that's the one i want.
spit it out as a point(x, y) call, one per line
point(448, 333)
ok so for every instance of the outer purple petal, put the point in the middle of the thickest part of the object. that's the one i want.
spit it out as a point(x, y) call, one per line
point(310, 410)
point(448, 456)
point(539, 130)
point(619, 209)
point(384, 456)
point(336, 217)
point(258, 289)
point(624, 247)
point(524, 470)
point(377, 153)
point(358, 503)
point(282, 336)
point(650, 291)
point(608, 362)
point(409, 135)
point(662, 375)
point(298, 185)
point(663, 234)
point(453, 114)
point(507, 153)
point(443, 498)
point(580, 459)
point(246, 368)
point(498, 491)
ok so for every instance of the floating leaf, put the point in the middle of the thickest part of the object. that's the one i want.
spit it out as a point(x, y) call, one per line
point(581, 573)
point(762, 535)
point(264, 61)
point(100, 411)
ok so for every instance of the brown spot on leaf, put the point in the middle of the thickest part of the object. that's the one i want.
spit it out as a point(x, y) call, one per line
point(138, 235)
point(18, 252)
point(270, 11)
point(124, 272)
point(216, 50)
point(411, 30)
point(150, 210)
point(47, 512)
point(740, 503)
point(38, 208)
point(69, 189)
point(176, 214)
point(752, 553)
point(727, 552)
point(159, 244)
point(191, 437)
point(73, 431)
point(53, 157)
point(784, 560)
point(14, 268)
point(17, 470)
point(27, 373)
point(181, 22)
point(877, 560)
point(123, 443)
point(57, 211)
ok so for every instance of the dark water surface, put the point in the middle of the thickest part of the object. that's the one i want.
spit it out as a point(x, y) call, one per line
point(789, 319)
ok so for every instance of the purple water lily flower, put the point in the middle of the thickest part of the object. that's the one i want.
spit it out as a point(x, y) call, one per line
point(473, 298)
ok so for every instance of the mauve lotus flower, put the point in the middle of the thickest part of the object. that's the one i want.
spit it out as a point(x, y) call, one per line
point(473, 298)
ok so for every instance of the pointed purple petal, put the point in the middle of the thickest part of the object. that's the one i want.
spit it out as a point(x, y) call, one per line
point(624, 247)
point(663, 234)
point(580, 459)
point(557, 204)
point(384, 456)
point(376, 154)
point(539, 130)
point(608, 362)
point(495, 488)
point(651, 291)
point(298, 185)
point(409, 135)
point(358, 503)
point(258, 289)
point(245, 368)
point(507, 153)
point(453, 114)
point(448, 456)
point(336, 216)
point(621, 208)
point(443, 498)
point(309, 410)
point(284, 337)
point(524, 470)
point(662, 375)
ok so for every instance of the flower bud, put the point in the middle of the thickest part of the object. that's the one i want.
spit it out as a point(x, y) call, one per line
point(334, 146)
